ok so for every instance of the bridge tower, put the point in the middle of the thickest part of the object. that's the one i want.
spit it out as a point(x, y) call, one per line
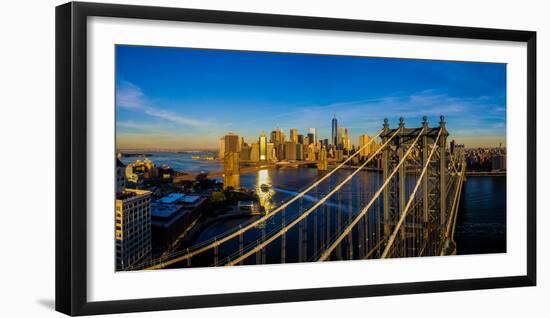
point(424, 225)
point(323, 160)
point(231, 170)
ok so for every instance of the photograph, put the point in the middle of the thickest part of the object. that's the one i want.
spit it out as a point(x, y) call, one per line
point(233, 157)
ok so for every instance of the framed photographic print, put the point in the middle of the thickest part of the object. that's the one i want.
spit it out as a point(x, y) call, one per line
point(208, 158)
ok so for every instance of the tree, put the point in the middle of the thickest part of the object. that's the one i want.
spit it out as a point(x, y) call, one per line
point(217, 197)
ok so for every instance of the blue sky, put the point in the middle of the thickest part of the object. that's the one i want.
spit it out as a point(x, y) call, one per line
point(188, 98)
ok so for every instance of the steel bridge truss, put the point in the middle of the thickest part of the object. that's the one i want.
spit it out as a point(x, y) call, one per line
point(423, 231)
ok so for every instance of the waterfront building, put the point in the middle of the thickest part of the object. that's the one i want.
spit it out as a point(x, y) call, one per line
point(255, 152)
point(334, 134)
point(231, 172)
point(132, 228)
point(280, 151)
point(139, 171)
point(498, 162)
point(263, 146)
point(290, 150)
point(300, 152)
point(270, 152)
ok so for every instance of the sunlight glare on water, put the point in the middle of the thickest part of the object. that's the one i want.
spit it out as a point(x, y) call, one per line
point(264, 189)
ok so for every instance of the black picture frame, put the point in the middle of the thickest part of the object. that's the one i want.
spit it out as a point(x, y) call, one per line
point(71, 157)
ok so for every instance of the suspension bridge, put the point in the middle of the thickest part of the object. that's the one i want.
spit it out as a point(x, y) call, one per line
point(409, 210)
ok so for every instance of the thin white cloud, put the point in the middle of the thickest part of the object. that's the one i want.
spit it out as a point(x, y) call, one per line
point(130, 96)
point(142, 127)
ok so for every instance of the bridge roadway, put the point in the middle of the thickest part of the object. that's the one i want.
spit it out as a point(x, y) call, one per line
point(247, 169)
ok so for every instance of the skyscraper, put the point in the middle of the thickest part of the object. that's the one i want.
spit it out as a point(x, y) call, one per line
point(263, 146)
point(245, 152)
point(310, 138)
point(278, 139)
point(313, 133)
point(290, 150)
point(334, 136)
point(300, 152)
point(294, 135)
point(132, 227)
point(255, 152)
point(270, 152)
point(367, 151)
point(277, 136)
point(347, 145)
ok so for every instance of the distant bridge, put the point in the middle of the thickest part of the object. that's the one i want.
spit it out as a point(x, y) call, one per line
point(246, 169)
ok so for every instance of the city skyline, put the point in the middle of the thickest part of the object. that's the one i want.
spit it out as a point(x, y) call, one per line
point(175, 98)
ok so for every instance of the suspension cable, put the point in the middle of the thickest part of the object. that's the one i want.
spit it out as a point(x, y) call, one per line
point(331, 248)
point(411, 198)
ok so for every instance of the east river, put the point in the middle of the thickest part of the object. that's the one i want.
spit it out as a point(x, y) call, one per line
point(481, 223)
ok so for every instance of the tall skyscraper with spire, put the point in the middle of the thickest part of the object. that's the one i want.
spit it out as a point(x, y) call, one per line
point(334, 136)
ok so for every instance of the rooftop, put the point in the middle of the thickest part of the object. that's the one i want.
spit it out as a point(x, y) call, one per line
point(180, 198)
point(130, 193)
point(190, 198)
point(172, 198)
point(163, 210)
